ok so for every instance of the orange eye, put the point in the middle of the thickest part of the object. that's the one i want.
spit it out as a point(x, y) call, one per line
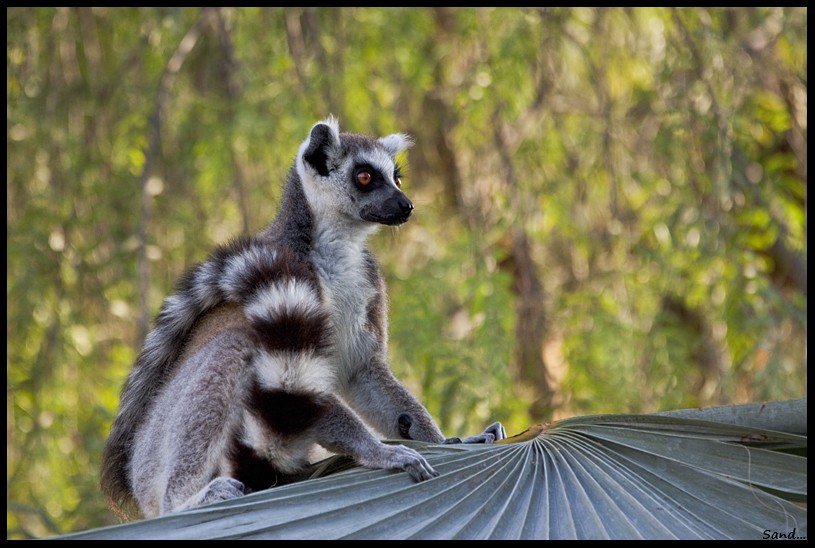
point(398, 182)
point(364, 178)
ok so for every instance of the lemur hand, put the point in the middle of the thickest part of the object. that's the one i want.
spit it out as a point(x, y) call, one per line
point(493, 433)
point(399, 457)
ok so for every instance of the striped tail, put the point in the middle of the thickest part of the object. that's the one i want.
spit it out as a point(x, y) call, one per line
point(293, 380)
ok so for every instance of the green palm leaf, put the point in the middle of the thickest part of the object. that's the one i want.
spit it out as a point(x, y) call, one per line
point(665, 476)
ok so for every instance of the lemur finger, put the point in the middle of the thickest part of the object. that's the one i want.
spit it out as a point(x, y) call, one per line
point(493, 432)
point(497, 430)
point(481, 438)
point(407, 459)
point(421, 471)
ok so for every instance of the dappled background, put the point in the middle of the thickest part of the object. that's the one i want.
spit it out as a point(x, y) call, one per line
point(610, 204)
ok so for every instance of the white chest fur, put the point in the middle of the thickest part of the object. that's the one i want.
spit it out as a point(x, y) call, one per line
point(347, 292)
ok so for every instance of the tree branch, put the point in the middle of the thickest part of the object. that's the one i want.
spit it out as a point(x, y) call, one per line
point(166, 80)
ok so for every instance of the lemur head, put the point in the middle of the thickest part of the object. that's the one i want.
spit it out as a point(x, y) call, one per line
point(353, 177)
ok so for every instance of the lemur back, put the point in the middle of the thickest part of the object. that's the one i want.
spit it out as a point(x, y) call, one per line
point(275, 344)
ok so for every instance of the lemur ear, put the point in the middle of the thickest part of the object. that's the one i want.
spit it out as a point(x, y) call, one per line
point(324, 136)
point(396, 143)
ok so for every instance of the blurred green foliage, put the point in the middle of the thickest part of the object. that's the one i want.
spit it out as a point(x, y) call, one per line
point(611, 204)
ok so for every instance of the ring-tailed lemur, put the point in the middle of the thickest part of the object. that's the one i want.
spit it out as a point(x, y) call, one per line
point(274, 344)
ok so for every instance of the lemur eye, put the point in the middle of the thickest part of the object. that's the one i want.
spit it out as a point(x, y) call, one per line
point(398, 181)
point(364, 178)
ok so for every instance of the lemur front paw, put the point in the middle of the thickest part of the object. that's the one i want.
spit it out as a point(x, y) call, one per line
point(399, 457)
point(492, 433)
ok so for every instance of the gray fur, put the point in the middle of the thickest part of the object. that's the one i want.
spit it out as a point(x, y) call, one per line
point(226, 400)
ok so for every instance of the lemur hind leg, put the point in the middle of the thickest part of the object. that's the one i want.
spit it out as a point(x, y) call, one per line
point(182, 458)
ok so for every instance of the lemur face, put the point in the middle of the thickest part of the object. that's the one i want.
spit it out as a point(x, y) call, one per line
point(354, 176)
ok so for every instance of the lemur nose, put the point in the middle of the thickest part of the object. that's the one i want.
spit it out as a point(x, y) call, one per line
point(406, 206)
